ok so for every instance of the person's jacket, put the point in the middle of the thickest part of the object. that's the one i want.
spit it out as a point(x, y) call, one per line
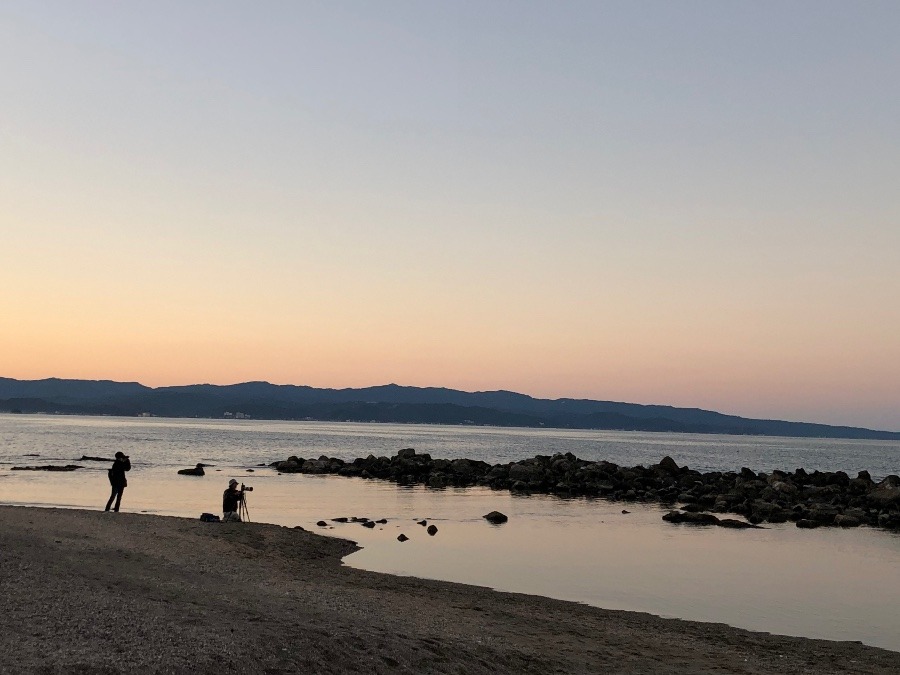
point(117, 472)
point(230, 500)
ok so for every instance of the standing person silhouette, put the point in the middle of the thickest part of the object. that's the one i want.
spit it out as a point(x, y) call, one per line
point(117, 479)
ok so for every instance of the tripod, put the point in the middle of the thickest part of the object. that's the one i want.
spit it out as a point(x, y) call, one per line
point(243, 511)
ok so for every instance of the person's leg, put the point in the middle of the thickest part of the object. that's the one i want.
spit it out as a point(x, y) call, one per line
point(112, 496)
point(119, 498)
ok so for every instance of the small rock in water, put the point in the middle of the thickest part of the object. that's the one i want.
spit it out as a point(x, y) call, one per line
point(625, 511)
point(322, 523)
point(432, 530)
point(369, 524)
point(423, 523)
point(691, 518)
point(495, 517)
point(382, 521)
point(402, 537)
point(340, 520)
point(196, 471)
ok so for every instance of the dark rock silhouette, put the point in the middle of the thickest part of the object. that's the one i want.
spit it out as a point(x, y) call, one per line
point(402, 537)
point(432, 530)
point(496, 517)
point(817, 497)
point(691, 518)
point(87, 458)
point(47, 467)
point(196, 471)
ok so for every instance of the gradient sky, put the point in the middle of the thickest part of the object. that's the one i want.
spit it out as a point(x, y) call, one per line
point(688, 203)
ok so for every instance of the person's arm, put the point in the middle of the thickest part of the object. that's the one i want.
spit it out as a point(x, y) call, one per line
point(127, 464)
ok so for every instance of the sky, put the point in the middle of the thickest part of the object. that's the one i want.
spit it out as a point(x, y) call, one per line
point(688, 203)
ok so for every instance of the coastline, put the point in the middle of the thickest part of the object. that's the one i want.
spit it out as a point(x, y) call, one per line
point(91, 592)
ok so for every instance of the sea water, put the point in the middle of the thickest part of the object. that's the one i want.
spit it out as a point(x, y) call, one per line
point(826, 583)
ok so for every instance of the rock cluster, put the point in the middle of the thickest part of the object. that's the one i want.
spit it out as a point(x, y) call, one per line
point(807, 499)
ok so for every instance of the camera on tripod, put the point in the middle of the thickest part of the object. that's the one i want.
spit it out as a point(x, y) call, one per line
point(246, 488)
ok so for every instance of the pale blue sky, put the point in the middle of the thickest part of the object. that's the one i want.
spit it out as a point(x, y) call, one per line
point(691, 203)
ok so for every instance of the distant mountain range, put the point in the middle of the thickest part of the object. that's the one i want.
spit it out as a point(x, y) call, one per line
point(389, 403)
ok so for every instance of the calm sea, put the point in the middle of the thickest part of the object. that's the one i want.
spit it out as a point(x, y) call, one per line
point(828, 583)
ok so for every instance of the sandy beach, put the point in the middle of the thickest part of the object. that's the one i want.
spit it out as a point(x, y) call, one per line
point(94, 592)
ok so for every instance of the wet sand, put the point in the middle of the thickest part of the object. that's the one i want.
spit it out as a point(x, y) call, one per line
point(91, 592)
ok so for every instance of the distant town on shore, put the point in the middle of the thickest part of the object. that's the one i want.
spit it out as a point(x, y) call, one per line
point(389, 403)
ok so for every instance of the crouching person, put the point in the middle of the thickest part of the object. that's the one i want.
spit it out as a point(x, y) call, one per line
point(231, 502)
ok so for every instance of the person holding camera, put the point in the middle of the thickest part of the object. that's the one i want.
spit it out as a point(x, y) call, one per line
point(231, 502)
point(117, 479)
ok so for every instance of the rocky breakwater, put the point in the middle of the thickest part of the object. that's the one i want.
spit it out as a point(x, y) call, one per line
point(809, 499)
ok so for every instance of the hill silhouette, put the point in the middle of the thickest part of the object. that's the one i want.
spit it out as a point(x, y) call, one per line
point(390, 403)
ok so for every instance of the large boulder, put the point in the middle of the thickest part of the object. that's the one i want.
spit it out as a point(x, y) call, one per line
point(561, 464)
point(668, 465)
point(292, 465)
point(784, 488)
point(437, 480)
point(823, 513)
point(315, 466)
point(323, 464)
point(526, 472)
point(859, 486)
point(886, 493)
point(462, 467)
